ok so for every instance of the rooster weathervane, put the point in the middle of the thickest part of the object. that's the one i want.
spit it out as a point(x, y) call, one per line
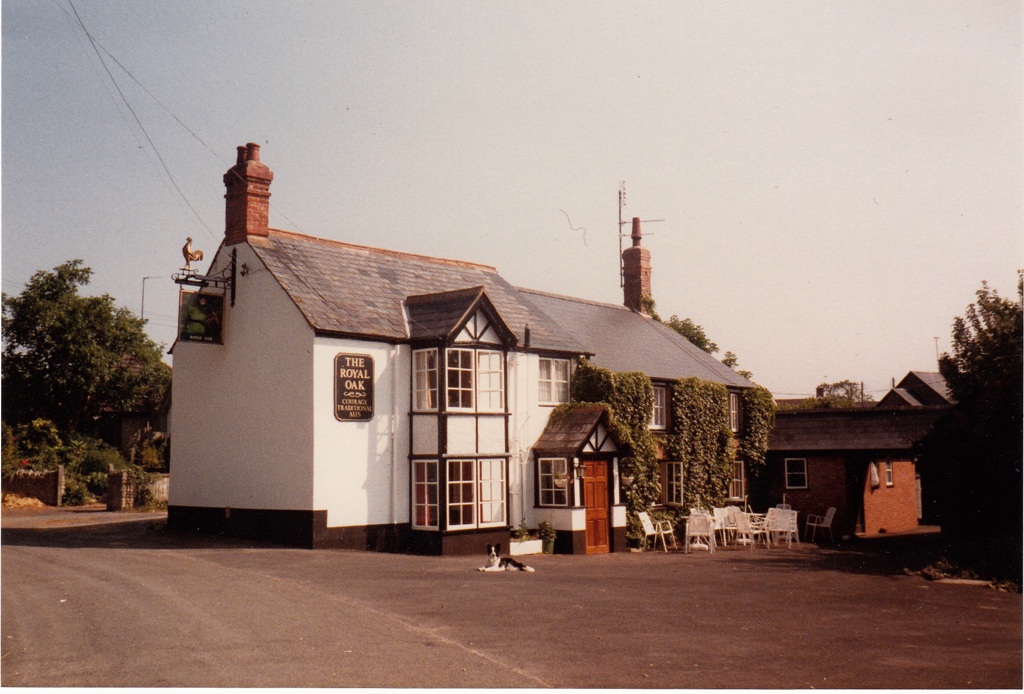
point(190, 255)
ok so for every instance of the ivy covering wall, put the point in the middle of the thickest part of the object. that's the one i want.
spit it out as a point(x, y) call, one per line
point(630, 401)
point(758, 422)
point(701, 440)
point(698, 436)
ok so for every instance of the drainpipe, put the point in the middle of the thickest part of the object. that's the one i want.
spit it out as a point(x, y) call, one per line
point(393, 435)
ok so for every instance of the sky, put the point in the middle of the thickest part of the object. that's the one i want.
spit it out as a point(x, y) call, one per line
point(827, 183)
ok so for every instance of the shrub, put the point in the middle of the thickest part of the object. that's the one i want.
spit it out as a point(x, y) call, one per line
point(76, 493)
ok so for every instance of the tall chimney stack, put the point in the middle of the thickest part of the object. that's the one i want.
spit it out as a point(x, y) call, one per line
point(636, 272)
point(247, 211)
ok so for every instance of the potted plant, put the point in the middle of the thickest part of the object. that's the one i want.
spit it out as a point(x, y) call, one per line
point(546, 533)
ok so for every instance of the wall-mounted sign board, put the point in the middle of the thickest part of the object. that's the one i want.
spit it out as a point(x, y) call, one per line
point(353, 387)
point(201, 317)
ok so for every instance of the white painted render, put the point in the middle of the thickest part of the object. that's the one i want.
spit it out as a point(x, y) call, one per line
point(254, 423)
point(361, 469)
point(243, 411)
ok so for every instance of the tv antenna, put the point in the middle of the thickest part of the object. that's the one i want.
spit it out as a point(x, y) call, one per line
point(622, 203)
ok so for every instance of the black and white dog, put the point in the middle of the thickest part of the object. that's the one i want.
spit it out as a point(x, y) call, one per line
point(496, 562)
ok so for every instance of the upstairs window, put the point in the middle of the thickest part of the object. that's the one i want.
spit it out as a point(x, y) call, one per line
point(659, 416)
point(889, 479)
point(460, 382)
point(553, 386)
point(424, 364)
point(735, 411)
point(490, 379)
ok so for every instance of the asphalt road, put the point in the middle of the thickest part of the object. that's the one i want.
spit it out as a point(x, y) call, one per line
point(127, 604)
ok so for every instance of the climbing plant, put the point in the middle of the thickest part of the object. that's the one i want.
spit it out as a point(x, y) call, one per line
point(630, 401)
point(701, 440)
point(758, 422)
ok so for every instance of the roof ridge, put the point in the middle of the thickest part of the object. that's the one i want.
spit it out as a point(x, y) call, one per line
point(577, 299)
point(382, 251)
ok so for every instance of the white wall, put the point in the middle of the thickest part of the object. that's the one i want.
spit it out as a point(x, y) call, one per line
point(361, 469)
point(242, 433)
point(525, 426)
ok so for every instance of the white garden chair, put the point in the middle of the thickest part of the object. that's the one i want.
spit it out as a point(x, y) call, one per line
point(658, 530)
point(700, 531)
point(825, 522)
point(725, 526)
point(748, 531)
point(779, 524)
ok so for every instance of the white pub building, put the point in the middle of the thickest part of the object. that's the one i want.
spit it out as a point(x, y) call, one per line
point(334, 395)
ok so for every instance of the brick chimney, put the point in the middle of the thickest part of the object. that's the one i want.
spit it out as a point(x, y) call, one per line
point(247, 211)
point(636, 272)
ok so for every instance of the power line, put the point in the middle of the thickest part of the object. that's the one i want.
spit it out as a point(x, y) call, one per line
point(152, 144)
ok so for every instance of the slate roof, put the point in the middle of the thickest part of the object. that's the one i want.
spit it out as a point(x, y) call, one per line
point(567, 433)
point(933, 381)
point(357, 291)
point(622, 340)
point(899, 397)
point(851, 429)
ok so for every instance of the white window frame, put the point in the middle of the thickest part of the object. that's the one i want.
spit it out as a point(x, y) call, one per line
point(673, 482)
point(424, 494)
point(659, 413)
point(738, 484)
point(490, 380)
point(491, 493)
point(424, 396)
point(890, 479)
point(482, 495)
point(796, 473)
point(459, 487)
point(465, 368)
point(552, 389)
point(549, 471)
point(735, 409)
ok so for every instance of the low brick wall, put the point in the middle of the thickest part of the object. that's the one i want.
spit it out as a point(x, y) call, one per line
point(46, 486)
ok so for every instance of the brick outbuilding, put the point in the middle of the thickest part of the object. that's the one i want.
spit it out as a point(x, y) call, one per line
point(858, 460)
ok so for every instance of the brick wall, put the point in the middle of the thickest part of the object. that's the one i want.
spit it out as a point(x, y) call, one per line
point(891, 509)
point(46, 486)
point(826, 486)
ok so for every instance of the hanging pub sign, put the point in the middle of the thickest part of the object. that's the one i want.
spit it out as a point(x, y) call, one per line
point(201, 317)
point(353, 387)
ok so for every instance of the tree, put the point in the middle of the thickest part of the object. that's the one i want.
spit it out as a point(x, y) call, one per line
point(977, 446)
point(684, 326)
point(838, 395)
point(68, 357)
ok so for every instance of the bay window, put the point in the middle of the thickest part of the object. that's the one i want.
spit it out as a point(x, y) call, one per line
point(424, 365)
point(476, 493)
point(459, 367)
point(490, 378)
point(425, 494)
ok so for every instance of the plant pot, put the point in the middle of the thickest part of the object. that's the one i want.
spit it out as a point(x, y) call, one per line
point(549, 546)
point(521, 547)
